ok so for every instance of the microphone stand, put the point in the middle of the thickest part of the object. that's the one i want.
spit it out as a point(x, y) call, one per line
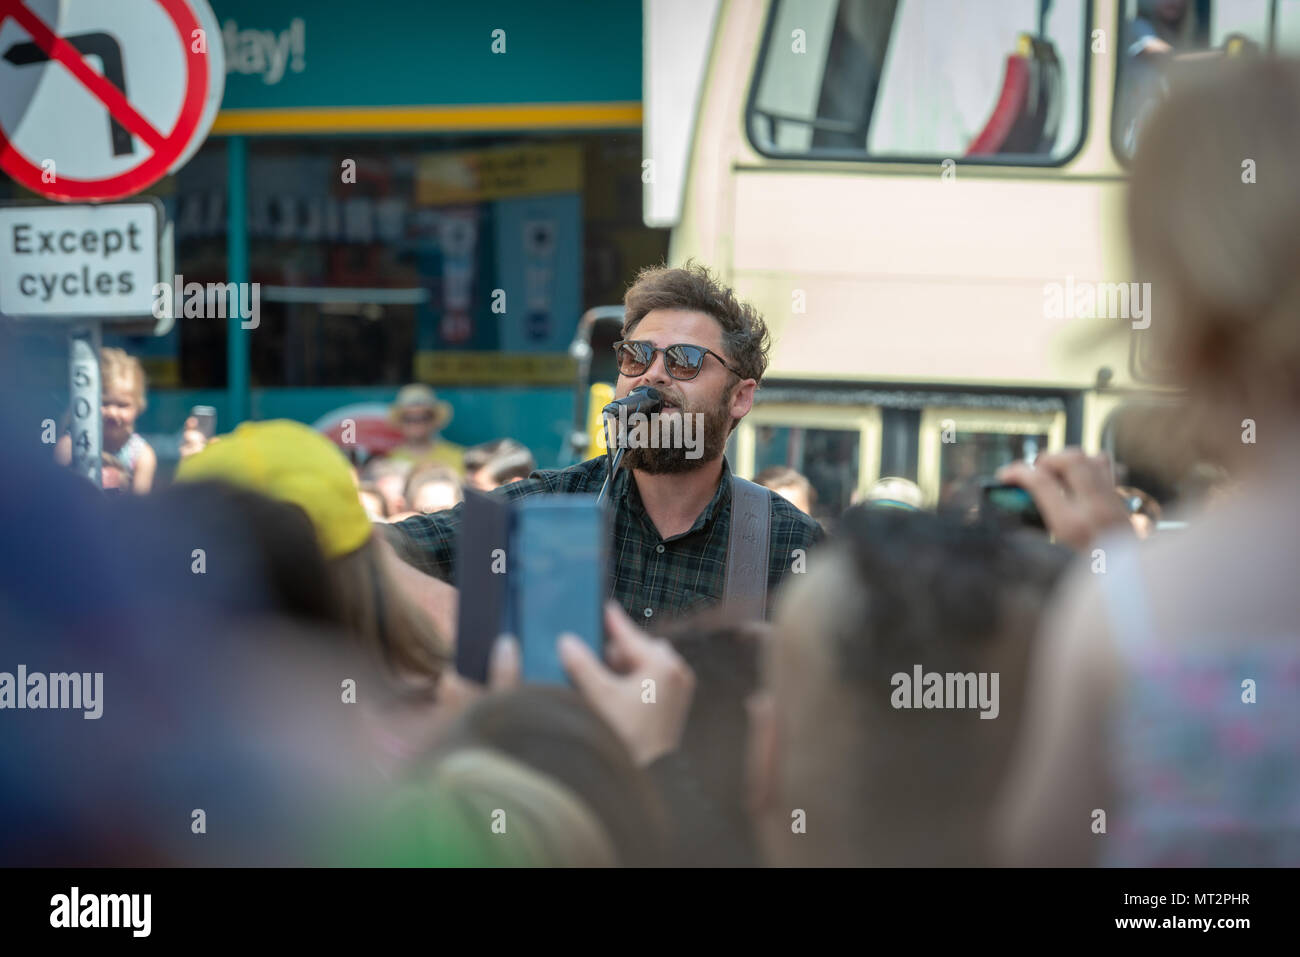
point(614, 456)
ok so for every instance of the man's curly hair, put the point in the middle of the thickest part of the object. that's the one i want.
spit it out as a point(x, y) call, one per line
point(745, 338)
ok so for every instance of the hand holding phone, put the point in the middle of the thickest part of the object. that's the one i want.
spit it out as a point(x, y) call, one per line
point(1010, 504)
point(534, 569)
point(560, 559)
point(1074, 493)
point(205, 420)
point(619, 697)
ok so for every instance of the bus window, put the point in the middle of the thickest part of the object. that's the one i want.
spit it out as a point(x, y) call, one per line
point(836, 449)
point(1157, 35)
point(828, 458)
point(961, 447)
point(974, 455)
point(856, 79)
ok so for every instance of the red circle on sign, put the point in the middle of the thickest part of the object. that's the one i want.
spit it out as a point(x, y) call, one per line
point(27, 173)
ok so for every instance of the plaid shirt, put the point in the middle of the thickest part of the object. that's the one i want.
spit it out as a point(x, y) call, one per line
point(654, 578)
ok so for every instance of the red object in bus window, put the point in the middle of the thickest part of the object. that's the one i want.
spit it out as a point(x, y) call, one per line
point(1010, 107)
point(1027, 115)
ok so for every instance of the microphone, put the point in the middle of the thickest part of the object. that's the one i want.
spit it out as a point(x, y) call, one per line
point(641, 399)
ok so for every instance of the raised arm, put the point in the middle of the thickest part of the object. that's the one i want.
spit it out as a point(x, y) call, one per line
point(434, 596)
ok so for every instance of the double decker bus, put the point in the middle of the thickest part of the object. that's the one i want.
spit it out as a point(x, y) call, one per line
point(925, 199)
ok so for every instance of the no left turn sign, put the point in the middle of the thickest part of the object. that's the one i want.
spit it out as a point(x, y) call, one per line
point(99, 101)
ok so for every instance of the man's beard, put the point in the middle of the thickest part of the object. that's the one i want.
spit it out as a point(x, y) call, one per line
point(715, 429)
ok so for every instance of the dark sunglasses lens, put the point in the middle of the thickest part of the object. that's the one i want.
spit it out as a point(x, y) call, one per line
point(684, 361)
point(632, 358)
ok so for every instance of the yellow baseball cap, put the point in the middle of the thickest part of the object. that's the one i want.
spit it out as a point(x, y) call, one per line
point(293, 463)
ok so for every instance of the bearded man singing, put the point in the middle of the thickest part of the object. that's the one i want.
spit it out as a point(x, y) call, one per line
point(690, 338)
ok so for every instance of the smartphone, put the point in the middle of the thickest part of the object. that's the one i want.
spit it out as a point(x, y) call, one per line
point(206, 417)
point(483, 551)
point(535, 569)
point(560, 579)
point(1010, 504)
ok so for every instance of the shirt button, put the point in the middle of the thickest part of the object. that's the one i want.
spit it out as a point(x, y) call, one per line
point(649, 612)
point(659, 549)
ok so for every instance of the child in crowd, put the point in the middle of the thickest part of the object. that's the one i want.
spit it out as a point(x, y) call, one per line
point(123, 384)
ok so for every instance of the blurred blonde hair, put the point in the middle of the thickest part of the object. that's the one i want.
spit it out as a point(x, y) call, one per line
point(374, 609)
point(482, 808)
point(117, 367)
point(1223, 253)
point(432, 475)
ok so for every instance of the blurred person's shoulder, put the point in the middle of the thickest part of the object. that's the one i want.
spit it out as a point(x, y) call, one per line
point(1228, 577)
point(449, 454)
point(442, 453)
point(791, 523)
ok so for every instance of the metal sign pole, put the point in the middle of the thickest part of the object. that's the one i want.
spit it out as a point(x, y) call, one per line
point(83, 367)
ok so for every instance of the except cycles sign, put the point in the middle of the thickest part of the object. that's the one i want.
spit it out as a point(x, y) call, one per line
point(100, 100)
point(79, 261)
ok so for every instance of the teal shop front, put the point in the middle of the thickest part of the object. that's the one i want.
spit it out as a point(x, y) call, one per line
point(412, 206)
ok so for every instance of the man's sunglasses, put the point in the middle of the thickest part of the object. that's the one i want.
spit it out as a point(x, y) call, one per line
point(681, 361)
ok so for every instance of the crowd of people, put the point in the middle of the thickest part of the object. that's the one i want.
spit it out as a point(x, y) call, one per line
point(278, 670)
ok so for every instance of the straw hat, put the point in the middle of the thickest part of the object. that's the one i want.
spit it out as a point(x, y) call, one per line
point(420, 396)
